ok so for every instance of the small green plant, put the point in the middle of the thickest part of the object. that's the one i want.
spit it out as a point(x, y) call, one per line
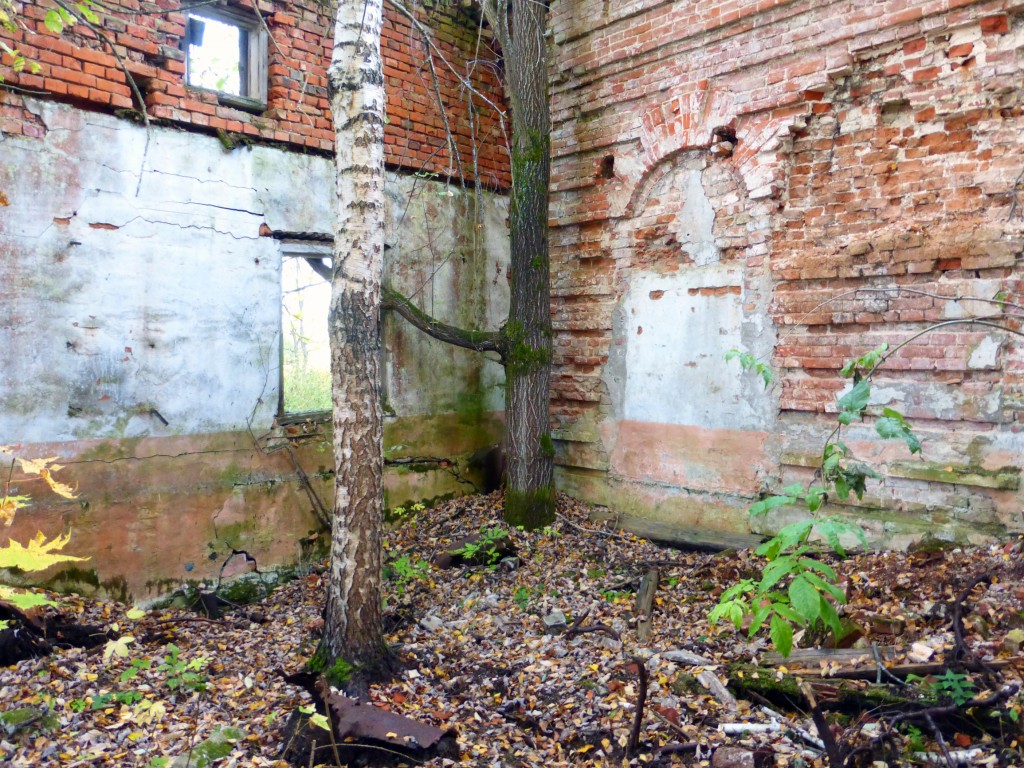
point(915, 739)
point(955, 687)
point(614, 595)
point(485, 548)
point(750, 363)
point(795, 588)
point(399, 512)
point(404, 570)
point(181, 673)
point(134, 667)
point(522, 597)
point(105, 700)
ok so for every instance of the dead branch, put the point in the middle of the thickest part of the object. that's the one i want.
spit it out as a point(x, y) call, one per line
point(960, 655)
point(641, 700)
point(836, 754)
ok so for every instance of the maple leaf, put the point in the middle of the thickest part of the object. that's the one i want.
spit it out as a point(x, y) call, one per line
point(38, 466)
point(149, 712)
point(117, 647)
point(9, 506)
point(39, 555)
point(23, 600)
point(45, 468)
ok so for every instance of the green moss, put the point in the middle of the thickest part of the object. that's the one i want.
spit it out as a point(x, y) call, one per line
point(745, 679)
point(520, 355)
point(318, 660)
point(530, 509)
point(85, 581)
point(233, 475)
point(246, 589)
point(547, 446)
point(337, 674)
point(1005, 478)
point(686, 684)
point(14, 719)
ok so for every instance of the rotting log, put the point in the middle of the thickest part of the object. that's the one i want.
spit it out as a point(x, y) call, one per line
point(860, 664)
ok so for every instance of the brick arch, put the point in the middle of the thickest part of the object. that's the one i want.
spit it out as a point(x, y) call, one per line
point(690, 120)
point(684, 121)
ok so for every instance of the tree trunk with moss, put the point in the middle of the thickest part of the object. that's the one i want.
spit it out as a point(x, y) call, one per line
point(529, 496)
point(524, 343)
point(353, 631)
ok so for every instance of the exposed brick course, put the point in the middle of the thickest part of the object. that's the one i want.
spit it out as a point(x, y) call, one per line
point(79, 66)
point(839, 146)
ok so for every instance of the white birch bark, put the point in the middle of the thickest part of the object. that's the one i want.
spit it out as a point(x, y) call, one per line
point(353, 629)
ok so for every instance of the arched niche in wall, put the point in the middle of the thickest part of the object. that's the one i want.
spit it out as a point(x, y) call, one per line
point(681, 304)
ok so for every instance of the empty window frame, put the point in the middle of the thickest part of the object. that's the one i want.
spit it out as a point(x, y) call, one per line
point(226, 52)
point(305, 352)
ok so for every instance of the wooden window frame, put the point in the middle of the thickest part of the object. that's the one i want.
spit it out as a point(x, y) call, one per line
point(252, 60)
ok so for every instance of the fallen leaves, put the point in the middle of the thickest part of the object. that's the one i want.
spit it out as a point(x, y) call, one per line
point(518, 692)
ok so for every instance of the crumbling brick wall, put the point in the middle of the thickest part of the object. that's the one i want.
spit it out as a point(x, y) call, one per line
point(766, 176)
point(80, 67)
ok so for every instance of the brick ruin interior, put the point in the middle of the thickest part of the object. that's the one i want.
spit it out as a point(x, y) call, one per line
point(799, 180)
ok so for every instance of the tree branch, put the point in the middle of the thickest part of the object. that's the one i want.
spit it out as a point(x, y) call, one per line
point(480, 341)
point(322, 268)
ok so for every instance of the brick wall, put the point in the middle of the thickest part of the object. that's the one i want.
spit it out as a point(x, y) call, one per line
point(80, 67)
point(727, 174)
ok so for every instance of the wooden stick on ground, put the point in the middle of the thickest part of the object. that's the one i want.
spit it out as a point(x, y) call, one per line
point(645, 605)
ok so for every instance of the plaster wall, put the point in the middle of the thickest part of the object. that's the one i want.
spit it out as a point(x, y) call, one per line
point(140, 296)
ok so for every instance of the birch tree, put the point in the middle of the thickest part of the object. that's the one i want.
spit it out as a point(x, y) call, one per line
point(353, 630)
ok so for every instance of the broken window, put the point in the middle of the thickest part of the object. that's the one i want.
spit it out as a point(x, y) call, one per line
point(305, 352)
point(226, 52)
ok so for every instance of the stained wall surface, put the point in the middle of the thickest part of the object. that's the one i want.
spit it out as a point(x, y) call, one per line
point(140, 317)
point(802, 181)
point(141, 281)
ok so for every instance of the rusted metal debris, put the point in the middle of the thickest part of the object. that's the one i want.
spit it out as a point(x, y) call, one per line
point(355, 721)
point(363, 734)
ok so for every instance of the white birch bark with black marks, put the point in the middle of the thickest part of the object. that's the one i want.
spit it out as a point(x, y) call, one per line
point(353, 629)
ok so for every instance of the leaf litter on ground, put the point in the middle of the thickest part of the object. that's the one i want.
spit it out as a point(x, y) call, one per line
point(485, 651)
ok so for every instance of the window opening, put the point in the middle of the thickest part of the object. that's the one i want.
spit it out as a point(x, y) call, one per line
point(305, 351)
point(226, 52)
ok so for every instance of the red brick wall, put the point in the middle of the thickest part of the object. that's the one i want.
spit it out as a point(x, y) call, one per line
point(840, 145)
point(80, 68)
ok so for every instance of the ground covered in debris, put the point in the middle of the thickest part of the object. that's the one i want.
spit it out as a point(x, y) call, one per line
point(536, 660)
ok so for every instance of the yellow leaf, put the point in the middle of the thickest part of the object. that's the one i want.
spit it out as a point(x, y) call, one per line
point(117, 647)
point(9, 506)
point(57, 487)
point(584, 749)
point(38, 555)
point(38, 466)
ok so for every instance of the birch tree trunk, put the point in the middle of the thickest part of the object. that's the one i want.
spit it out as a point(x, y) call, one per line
point(353, 629)
point(529, 496)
